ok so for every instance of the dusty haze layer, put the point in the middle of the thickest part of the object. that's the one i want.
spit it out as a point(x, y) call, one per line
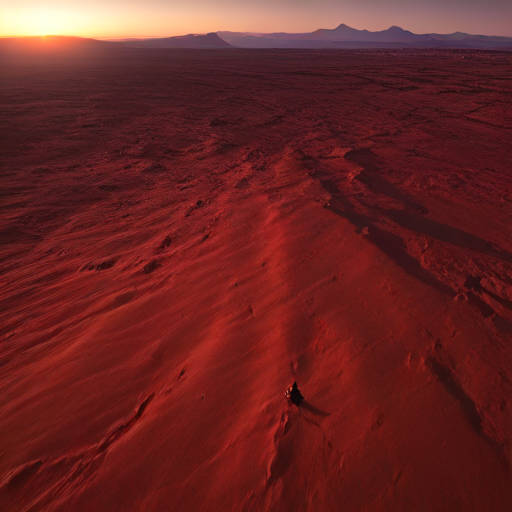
point(185, 233)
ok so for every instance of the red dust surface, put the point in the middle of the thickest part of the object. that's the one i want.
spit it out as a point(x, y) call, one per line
point(185, 233)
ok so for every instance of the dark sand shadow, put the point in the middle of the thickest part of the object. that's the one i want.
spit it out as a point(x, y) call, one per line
point(371, 163)
point(469, 408)
point(394, 247)
point(390, 244)
point(449, 234)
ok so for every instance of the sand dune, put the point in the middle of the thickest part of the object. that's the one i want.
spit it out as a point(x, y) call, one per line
point(187, 233)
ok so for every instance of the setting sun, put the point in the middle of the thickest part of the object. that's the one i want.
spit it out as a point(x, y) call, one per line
point(42, 22)
point(46, 22)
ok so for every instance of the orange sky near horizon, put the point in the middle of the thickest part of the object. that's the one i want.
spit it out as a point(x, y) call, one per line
point(161, 18)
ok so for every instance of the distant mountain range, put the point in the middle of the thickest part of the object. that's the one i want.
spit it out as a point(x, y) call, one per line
point(341, 37)
point(344, 36)
point(211, 40)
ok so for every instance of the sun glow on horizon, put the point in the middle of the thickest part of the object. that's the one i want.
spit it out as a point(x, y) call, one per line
point(104, 19)
point(101, 22)
point(43, 22)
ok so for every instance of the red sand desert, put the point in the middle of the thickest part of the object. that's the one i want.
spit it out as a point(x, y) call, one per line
point(185, 233)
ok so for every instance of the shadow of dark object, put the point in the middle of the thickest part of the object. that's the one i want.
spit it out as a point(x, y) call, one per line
point(446, 233)
point(313, 410)
point(371, 163)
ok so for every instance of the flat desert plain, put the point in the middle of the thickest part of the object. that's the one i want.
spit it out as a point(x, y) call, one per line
point(186, 233)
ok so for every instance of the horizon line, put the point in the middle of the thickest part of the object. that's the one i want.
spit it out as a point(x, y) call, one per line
point(103, 37)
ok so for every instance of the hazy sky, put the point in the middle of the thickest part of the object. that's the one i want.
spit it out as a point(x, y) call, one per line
point(125, 18)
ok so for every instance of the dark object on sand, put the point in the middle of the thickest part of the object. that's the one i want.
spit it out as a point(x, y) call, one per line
point(293, 395)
